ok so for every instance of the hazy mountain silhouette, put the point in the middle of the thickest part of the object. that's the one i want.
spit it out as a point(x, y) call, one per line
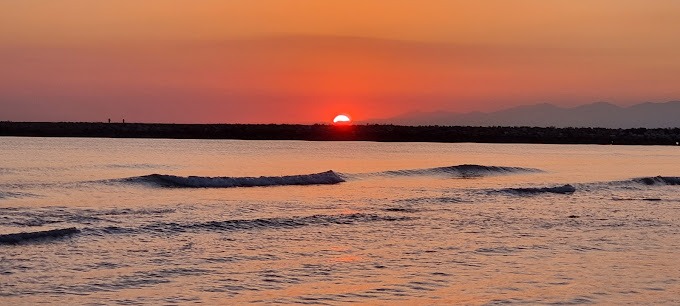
point(600, 114)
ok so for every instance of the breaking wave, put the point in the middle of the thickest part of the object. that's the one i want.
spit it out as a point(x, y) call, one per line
point(626, 184)
point(636, 183)
point(164, 180)
point(640, 183)
point(323, 178)
point(460, 171)
point(658, 180)
point(564, 189)
point(28, 236)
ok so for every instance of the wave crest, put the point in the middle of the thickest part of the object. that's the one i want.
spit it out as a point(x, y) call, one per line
point(322, 178)
point(658, 180)
point(463, 171)
point(165, 180)
point(564, 189)
point(26, 236)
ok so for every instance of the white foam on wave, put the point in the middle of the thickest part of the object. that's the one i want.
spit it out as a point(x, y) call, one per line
point(165, 180)
point(639, 183)
point(323, 178)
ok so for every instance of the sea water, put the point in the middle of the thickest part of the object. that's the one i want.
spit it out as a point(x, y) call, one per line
point(147, 221)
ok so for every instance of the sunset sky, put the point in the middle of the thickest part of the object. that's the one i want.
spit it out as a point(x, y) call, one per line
point(304, 61)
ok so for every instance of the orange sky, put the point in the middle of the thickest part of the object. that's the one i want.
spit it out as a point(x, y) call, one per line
point(301, 61)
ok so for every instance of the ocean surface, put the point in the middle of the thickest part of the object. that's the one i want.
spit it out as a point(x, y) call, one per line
point(166, 222)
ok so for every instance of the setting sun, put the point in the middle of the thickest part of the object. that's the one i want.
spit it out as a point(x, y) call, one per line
point(342, 119)
point(339, 151)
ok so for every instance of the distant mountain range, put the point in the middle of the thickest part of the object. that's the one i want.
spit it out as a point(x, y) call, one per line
point(600, 114)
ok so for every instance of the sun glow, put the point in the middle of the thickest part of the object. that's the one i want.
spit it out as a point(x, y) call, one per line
point(342, 119)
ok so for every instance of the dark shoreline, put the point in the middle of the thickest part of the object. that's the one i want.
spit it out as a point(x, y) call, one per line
point(319, 132)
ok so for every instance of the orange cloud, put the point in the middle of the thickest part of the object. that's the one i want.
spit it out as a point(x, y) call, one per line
point(246, 61)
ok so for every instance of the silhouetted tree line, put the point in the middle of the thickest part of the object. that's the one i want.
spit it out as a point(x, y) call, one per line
point(385, 133)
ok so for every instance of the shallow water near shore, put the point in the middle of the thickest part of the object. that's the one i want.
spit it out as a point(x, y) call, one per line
point(146, 221)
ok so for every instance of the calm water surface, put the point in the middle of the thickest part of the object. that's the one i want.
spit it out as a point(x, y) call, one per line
point(174, 222)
